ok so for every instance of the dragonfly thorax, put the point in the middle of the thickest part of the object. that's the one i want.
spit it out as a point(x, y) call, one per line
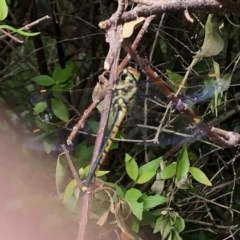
point(125, 89)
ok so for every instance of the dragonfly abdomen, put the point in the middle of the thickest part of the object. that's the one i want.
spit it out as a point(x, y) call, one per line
point(106, 146)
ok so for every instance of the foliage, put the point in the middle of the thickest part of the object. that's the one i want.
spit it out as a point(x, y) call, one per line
point(58, 83)
point(173, 187)
point(136, 202)
point(179, 171)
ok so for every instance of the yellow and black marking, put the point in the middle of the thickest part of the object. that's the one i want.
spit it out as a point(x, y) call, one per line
point(123, 95)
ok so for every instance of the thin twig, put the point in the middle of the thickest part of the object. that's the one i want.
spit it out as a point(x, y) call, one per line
point(113, 45)
point(98, 94)
point(70, 164)
point(210, 224)
point(30, 25)
point(156, 39)
point(80, 124)
point(7, 34)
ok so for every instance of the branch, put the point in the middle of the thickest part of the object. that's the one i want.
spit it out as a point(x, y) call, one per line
point(70, 164)
point(145, 8)
point(7, 34)
point(114, 35)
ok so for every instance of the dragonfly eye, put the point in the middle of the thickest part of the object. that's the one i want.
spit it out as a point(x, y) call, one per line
point(129, 75)
point(123, 76)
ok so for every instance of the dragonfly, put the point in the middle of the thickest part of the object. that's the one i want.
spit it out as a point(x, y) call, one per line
point(123, 95)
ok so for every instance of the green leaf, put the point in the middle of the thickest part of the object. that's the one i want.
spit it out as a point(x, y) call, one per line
point(61, 172)
point(151, 166)
point(166, 232)
point(220, 83)
point(69, 190)
point(3, 10)
point(224, 83)
point(84, 152)
point(48, 147)
point(42, 125)
point(153, 201)
point(216, 69)
point(57, 89)
point(175, 236)
point(40, 107)
point(131, 167)
point(21, 32)
point(120, 190)
point(148, 171)
point(163, 226)
point(159, 224)
point(174, 79)
point(199, 176)
point(131, 196)
point(44, 80)
point(100, 173)
point(59, 109)
point(60, 75)
point(169, 171)
point(213, 42)
point(83, 171)
point(135, 226)
point(93, 124)
point(145, 177)
point(182, 164)
point(179, 224)
point(158, 184)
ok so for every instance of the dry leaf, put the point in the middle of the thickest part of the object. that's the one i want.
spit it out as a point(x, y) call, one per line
point(99, 90)
point(129, 27)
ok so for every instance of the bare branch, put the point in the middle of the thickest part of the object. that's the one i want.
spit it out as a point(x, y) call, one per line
point(70, 164)
point(115, 34)
point(7, 34)
point(146, 8)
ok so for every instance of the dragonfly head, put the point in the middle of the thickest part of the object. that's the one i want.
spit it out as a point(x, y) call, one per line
point(125, 88)
point(130, 74)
